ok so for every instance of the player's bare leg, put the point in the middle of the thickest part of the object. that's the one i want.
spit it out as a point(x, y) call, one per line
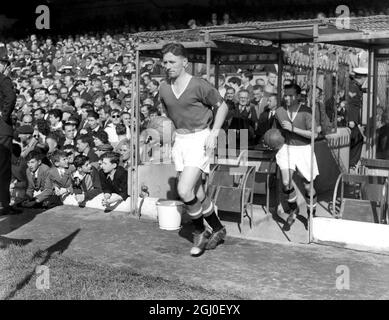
point(307, 195)
point(290, 194)
point(188, 180)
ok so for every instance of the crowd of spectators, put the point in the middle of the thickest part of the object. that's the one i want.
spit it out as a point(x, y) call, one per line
point(72, 119)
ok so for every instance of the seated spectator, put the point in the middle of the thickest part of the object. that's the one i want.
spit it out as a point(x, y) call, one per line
point(69, 135)
point(124, 148)
point(59, 178)
point(100, 138)
point(39, 114)
point(84, 147)
point(104, 115)
point(110, 129)
point(27, 120)
point(71, 152)
point(101, 149)
point(55, 119)
point(38, 192)
point(27, 141)
point(53, 140)
point(114, 181)
point(86, 182)
point(121, 132)
point(93, 123)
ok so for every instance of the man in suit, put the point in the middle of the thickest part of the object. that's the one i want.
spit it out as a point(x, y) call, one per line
point(267, 119)
point(37, 192)
point(245, 116)
point(7, 105)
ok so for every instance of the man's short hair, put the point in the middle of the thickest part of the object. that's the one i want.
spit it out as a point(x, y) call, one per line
point(243, 91)
point(293, 86)
point(68, 147)
point(107, 109)
point(85, 138)
point(57, 113)
point(235, 80)
point(113, 157)
point(176, 49)
point(34, 154)
point(120, 129)
point(248, 74)
point(68, 124)
point(42, 110)
point(257, 87)
point(80, 160)
point(57, 155)
point(93, 114)
point(101, 135)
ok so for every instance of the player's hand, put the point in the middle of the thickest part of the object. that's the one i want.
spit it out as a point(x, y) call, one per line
point(211, 141)
point(286, 125)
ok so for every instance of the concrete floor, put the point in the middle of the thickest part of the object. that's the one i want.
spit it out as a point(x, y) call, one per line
point(253, 269)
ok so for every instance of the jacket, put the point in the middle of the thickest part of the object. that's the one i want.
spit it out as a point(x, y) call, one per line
point(40, 184)
point(7, 105)
point(119, 183)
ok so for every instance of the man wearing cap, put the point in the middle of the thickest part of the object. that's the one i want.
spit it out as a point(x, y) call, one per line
point(355, 94)
point(7, 105)
point(27, 141)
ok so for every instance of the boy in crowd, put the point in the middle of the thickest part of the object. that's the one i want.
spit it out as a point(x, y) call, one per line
point(59, 178)
point(114, 183)
point(37, 191)
point(86, 182)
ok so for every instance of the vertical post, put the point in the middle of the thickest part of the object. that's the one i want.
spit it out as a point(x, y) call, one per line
point(135, 141)
point(132, 115)
point(217, 73)
point(336, 87)
point(280, 69)
point(313, 125)
point(368, 124)
point(374, 75)
point(208, 56)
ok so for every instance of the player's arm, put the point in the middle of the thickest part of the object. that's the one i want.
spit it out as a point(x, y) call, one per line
point(306, 133)
point(221, 114)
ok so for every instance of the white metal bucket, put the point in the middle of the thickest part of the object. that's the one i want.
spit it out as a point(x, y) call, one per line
point(169, 214)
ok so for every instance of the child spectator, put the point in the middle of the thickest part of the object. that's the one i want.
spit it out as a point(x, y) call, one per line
point(86, 182)
point(38, 192)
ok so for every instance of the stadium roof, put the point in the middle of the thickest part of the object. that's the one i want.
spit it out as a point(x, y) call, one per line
point(362, 32)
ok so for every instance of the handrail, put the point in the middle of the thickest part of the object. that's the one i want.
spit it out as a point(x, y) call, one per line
point(340, 177)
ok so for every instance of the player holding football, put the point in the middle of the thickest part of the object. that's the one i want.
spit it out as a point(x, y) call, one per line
point(188, 102)
point(296, 121)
